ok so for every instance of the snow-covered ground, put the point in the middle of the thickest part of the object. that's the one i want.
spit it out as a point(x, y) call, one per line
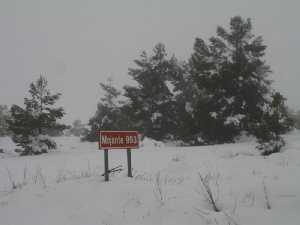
point(66, 187)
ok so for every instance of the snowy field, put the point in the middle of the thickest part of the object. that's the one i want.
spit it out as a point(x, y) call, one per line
point(66, 187)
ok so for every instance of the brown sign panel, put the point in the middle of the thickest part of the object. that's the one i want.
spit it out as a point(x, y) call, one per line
point(118, 139)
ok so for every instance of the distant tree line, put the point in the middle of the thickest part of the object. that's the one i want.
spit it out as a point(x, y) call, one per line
point(220, 92)
point(77, 129)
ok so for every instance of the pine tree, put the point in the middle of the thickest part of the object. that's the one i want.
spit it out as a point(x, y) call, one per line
point(151, 103)
point(78, 128)
point(183, 115)
point(30, 125)
point(4, 116)
point(111, 113)
point(232, 81)
point(211, 98)
point(275, 122)
point(232, 88)
point(295, 118)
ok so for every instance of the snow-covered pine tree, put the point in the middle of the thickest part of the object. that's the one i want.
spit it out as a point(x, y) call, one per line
point(211, 101)
point(232, 85)
point(184, 120)
point(111, 112)
point(245, 73)
point(275, 122)
point(4, 116)
point(295, 117)
point(78, 128)
point(151, 103)
point(30, 125)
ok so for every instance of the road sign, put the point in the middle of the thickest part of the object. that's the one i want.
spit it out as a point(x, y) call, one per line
point(118, 140)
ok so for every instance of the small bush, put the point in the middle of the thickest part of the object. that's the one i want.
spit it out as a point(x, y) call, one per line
point(158, 191)
point(270, 147)
point(16, 184)
point(208, 193)
point(266, 194)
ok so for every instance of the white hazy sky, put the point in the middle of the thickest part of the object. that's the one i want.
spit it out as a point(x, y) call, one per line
point(78, 43)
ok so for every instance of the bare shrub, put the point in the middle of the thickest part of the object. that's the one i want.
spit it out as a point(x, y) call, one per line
point(25, 171)
point(61, 176)
point(176, 158)
point(11, 179)
point(249, 199)
point(143, 176)
point(208, 193)
point(17, 184)
point(158, 191)
point(39, 177)
point(266, 194)
point(211, 190)
point(87, 172)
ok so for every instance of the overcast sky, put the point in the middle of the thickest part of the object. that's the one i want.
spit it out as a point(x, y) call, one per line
point(78, 43)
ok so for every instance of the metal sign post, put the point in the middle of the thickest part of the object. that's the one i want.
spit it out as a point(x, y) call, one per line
point(129, 162)
point(118, 140)
point(106, 172)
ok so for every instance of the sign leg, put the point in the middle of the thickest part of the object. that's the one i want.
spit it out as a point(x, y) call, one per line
point(106, 173)
point(129, 162)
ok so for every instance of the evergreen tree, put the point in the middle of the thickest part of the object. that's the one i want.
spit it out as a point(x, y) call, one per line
point(183, 115)
point(232, 89)
point(151, 103)
point(4, 116)
point(30, 125)
point(232, 81)
point(295, 117)
point(78, 129)
point(275, 122)
point(110, 114)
